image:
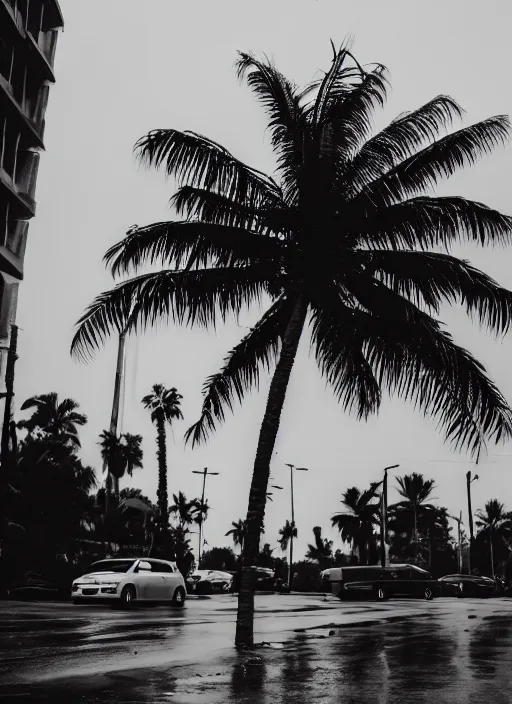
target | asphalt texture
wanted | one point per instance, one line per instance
(311, 649)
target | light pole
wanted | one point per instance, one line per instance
(205, 473)
(300, 469)
(459, 538)
(384, 560)
(469, 481)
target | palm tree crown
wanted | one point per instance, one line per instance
(183, 509)
(50, 416)
(341, 238)
(494, 518)
(237, 532)
(163, 403)
(357, 524)
(121, 454)
(286, 533)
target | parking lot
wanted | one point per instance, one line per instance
(314, 650)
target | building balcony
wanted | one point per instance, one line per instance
(23, 205)
(11, 18)
(33, 132)
(42, 51)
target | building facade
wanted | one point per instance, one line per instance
(28, 37)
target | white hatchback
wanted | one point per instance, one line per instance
(129, 579)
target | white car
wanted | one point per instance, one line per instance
(129, 579)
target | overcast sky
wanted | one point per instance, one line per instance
(127, 66)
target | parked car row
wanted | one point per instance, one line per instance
(403, 580)
(125, 580)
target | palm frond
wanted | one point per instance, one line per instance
(413, 357)
(399, 140)
(423, 223)
(187, 297)
(195, 160)
(287, 121)
(422, 171)
(432, 279)
(190, 245)
(241, 369)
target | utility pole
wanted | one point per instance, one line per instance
(459, 539)
(12, 356)
(384, 554)
(205, 473)
(290, 568)
(469, 480)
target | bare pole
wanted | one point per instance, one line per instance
(384, 559)
(290, 568)
(205, 473)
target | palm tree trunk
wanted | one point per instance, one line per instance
(492, 551)
(162, 497)
(258, 493)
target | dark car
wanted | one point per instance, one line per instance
(265, 580)
(381, 583)
(462, 585)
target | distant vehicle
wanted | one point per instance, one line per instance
(462, 585)
(209, 582)
(127, 580)
(380, 583)
(265, 580)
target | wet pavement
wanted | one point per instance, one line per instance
(314, 650)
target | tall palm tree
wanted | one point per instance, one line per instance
(415, 490)
(340, 242)
(237, 532)
(321, 551)
(358, 523)
(495, 524)
(286, 533)
(121, 454)
(183, 509)
(164, 405)
(54, 418)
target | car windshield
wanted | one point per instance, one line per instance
(110, 566)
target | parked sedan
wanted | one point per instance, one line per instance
(209, 582)
(462, 585)
(125, 580)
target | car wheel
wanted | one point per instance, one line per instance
(127, 596)
(428, 594)
(380, 594)
(178, 598)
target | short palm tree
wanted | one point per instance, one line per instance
(164, 405)
(237, 532)
(345, 241)
(321, 551)
(358, 523)
(201, 509)
(121, 455)
(183, 509)
(495, 524)
(286, 535)
(54, 418)
(415, 490)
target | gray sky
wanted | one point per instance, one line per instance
(126, 66)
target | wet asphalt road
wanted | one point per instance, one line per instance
(446, 651)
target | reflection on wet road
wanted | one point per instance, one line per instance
(446, 651)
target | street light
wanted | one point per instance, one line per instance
(469, 481)
(384, 517)
(205, 473)
(300, 469)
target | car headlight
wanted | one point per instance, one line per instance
(110, 585)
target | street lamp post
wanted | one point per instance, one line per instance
(469, 481)
(459, 538)
(384, 517)
(205, 473)
(290, 571)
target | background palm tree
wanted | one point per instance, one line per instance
(321, 551)
(183, 509)
(357, 524)
(121, 454)
(237, 532)
(415, 489)
(164, 405)
(495, 524)
(339, 239)
(59, 419)
(201, 509)
(286, 533)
